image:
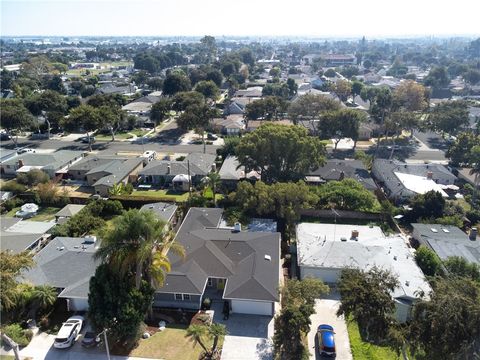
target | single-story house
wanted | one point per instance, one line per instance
(222, 264)
(142, 105)
(162, 172)
(401, 181)
(447, 240)
(67, 264)
(19, 235)
(164, 211)
(336, 169)
(232, 172)
(102, 172)
(54, 164)
(237, 105)
(324, 250)
(110, 88)
(67, 212)
(231, 125)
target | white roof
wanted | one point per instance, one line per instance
(320, 245)
(419, 184)
(31, 227)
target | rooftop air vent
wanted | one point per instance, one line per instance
(268, 257)
(434, 230)
(446, 230)
(343, 238)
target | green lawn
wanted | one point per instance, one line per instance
(162, 194)
(43, 214)
(362, 350)
(170, 344)
(121, 135)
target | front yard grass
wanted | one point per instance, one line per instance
(170, 344)
(122, 135)
(162, 194)
(362, 350)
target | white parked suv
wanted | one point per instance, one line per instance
(68, 332)
(150, 155)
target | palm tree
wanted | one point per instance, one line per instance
(216, 331)
(212, 180)
(44, 296)
(11, 268)
(195, 333)
(139, 242)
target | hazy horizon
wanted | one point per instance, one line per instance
(269, 18)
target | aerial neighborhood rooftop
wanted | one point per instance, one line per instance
(192, 198)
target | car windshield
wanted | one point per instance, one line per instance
(61, 340)
(328, 349)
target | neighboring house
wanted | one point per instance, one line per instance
(222, 264)
(254, 91)
(401, 181)
(447, 240)
(110, 88)
(253, 125)
(474, 117)
(237, 105)
(339, 59)
(19, 235)
(67, 212)
(103, 172)
(162, 172)
(164, 211)
(232, 172)
(143, 105)
(67, 264)
(335, 169)
(54, 164)
(231, 125)
(103, 178)
(324, 250)
(464, 174)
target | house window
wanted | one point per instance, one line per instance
(186, 296)
(178, 296)
(209, 282)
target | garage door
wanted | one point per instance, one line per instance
(252, 307)
(75, 304)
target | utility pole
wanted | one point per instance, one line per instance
(189, 183)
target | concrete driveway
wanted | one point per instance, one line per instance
(326, 314)
(249, 336)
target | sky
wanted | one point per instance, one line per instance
(316, 18)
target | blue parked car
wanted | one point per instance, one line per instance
(326, 340)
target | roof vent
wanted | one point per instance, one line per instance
(446, 230)
(395, 257)
(237, 227)
(61, 248)
(268, 257)
(434, 230)
(407, 283)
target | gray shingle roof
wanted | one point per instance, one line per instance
(70, 210)
(164, 211)
(452, 242)
(231, 169)
(200, 164)
(237, 256)
(118, 171)
(384, 170)
(354, 169)
(92, 161)
(65, 263)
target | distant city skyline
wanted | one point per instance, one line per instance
(308, 18)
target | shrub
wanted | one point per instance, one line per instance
(14, 187)
(12, 203)
(33, 177)
(428, 261)
(21, 336)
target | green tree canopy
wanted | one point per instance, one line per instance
(428, 261)
(449, 117)
(280, 153)
(176, 82)
(208, 88)
(310, 107)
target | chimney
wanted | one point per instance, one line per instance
(214, 167)
(429, 175)
(354, 234)
(169, 169)
(342, 176)
(20, 163)
(473, 234)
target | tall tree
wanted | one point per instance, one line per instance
(310, 107)
(196, 117)
(160, 111)
(15, 117)
(366, 298)
(84, 117)
(437, 77)
(343, 89)
(139, 242)
(344, 123)
(208, 88)
(11, 268)
(449, 117)
(176, 82)
(357, 88)
(280, 152)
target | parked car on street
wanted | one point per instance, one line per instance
(25, 151)
(211, 136)
(68, 332)
(84, 139)
(326, 341)
(4, 136)
(90, 339)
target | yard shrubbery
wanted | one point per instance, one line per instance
(15, 332)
